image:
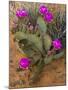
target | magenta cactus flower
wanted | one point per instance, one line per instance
(48, 17)
(57, 44)
(43, 9)
(24, 63)
(21, 13)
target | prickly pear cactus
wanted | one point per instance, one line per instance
(38, 35)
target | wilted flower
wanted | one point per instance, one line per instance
(57, 44)
(48, 17)
(24, 63)
(43, 9)
(21, 13)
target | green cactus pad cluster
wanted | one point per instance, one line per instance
(36, 43)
